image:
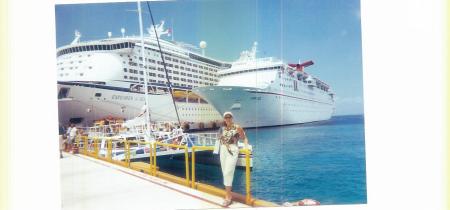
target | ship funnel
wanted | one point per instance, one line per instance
(300, 66)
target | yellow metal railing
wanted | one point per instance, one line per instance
(247, 176)
(193, 160)
(152, 155)
(91, 147)
(186, 156)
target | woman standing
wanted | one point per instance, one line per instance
(229, 134)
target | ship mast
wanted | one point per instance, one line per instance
(164, 64)
(141, 31)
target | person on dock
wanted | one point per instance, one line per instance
(229, 135)
(177, 130)
(62, 139)
(186, 127)
(69, 127)
(72, 134)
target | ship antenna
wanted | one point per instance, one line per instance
(164, 64)
(254, 50)
(171, 32)
(122, 30)
(147, 111)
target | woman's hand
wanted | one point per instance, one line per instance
(245, 143)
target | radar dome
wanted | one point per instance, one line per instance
(203, 44)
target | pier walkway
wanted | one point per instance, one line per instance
(88, 183)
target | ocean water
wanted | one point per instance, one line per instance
(324, 161)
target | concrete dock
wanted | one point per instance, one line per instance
(88, 183)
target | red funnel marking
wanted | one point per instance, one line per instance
(300, 66)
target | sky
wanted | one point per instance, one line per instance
(325, 31)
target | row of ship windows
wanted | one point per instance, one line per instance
(71, 62)
(187, 63)
(174, 84)
(207, 61)
(73, 67)
(170, 77)
(302, 78)
(155, 45)
(95, 48)
(199, 115)
(162, 82)
(170, 70)
(152, 80)
(286, 86)
(67, 74)
(134, 71)
(70, 57)
(175, 78)
(159, 75)
(196, 109)
(176, 60)
(131, 63)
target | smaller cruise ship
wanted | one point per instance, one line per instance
(267, 92)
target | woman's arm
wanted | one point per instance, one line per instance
(243, 136)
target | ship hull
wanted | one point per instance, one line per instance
(254, 107)
(84, 103)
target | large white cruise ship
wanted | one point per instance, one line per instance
(105, 78)
(267, 92)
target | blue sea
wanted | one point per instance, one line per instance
(324, 161)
